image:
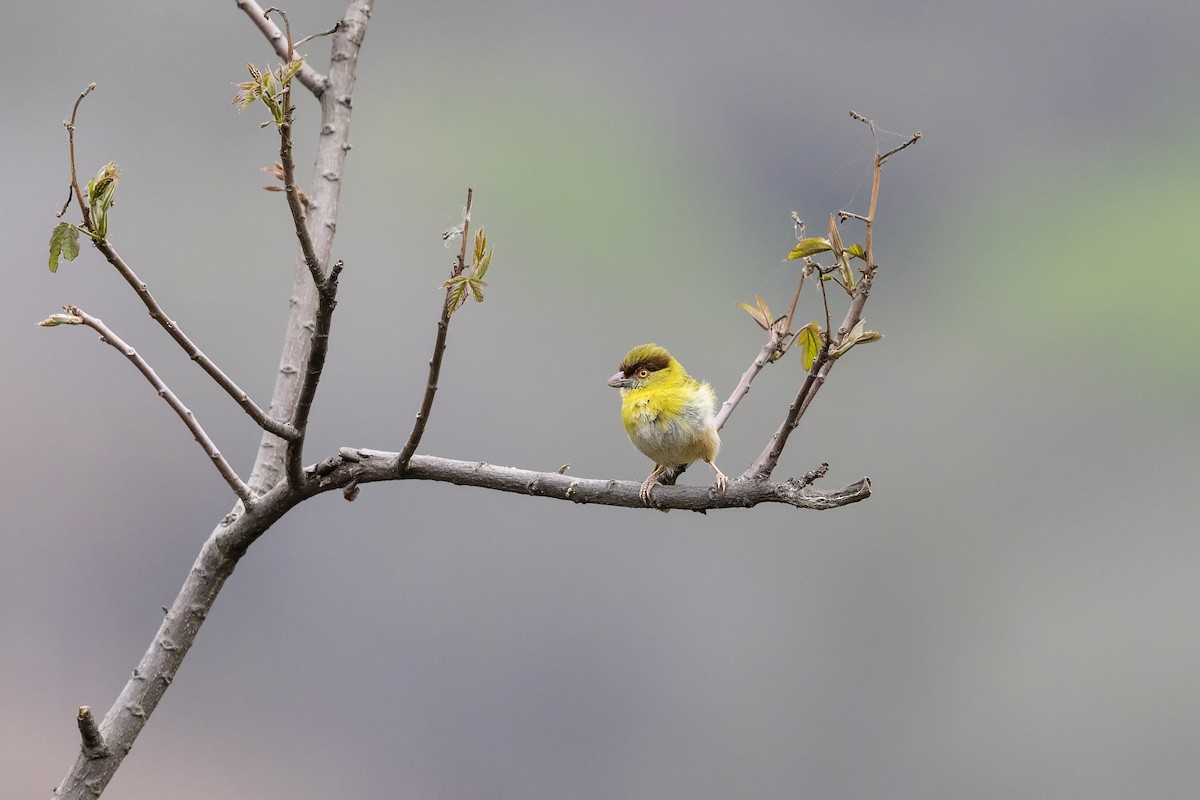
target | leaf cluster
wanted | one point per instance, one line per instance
(812, 338)
(461, 286)
(807, 248)
(270, 86)
(100, 190)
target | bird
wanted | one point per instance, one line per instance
(669, 415)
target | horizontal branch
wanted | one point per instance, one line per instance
(358, 466)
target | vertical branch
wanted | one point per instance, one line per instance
(439, 350)
(70, 125)
(326, 287)
(126, 718)
(321, 223)
(765, 464)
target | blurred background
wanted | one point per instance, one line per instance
(1013, 613)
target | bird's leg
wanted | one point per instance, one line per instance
(722, 481)
(651, 482)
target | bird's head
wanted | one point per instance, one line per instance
(646, 365)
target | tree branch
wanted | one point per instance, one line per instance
(764, 357)
(326, 294)
(164, 391)
(307, 251)
(312, 376)
(321, 221)
(765, 464)
(156, 311)
(280, 429)
(376, 466)
(439, 349)
(93, 741)
(350, 468)
(70, 126)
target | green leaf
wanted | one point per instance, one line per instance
(857, 335)
(856, 251)
(480, 245)
(810, 344)
(286, 73)
(100, 191)
(64, 243)
(809, 247)
(482, 267)
(457, 294)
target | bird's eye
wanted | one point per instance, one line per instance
(643, 373)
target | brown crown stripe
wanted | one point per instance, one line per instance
(653, 363)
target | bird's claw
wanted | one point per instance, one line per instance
(647, 486)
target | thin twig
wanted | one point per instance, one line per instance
(312, 376)
(326, 293)
(164, 391)
(769, 350)
(321, 215)
(439, 350)
(767, 460)
(312, 80)
(70, 125)
(911, 141)
(287, 29)
(293, 195)
(156, 311)
(280, 429)
(336, 27)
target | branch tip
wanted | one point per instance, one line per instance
(93, 741)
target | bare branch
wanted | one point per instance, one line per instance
(740, 494)
(321, 220)
(164, 391)
(769, 351)
(336, 27)
(314, 81)
(70, 126)
(293, 194)
(312, 376)
(326, 288)
(765, 464)
(439, 349)
(156, 311)
(280, 429)
(911, 141)
(346, 472)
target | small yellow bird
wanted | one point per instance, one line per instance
(668, 414)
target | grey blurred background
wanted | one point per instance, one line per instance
(1012, 614)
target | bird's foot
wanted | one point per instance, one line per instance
(647, 486)
(722, 482)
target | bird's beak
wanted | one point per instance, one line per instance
(619, 381)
